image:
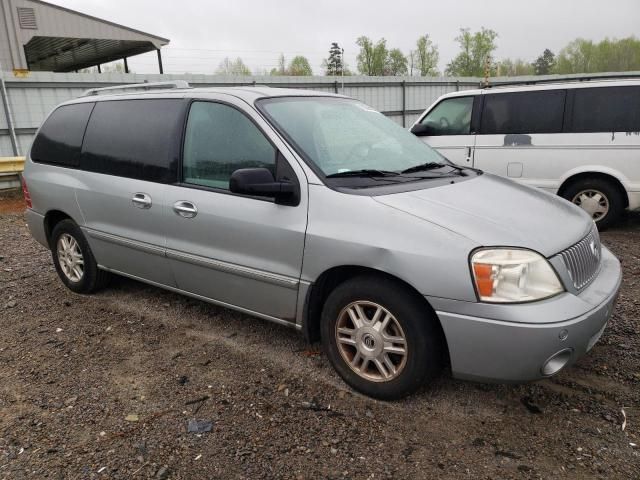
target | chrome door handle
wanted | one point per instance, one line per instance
(185, 209)
(141, 200)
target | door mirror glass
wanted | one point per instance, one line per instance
(260, 182)
(423, 130)
(451, 116)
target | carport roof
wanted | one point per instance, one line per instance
(59, 39)
(60, 54)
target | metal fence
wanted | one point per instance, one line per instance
(26, 101)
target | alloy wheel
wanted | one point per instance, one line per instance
(70, 257)
(371, 341)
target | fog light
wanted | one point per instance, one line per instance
(556, 362)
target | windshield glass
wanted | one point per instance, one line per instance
(343, 135)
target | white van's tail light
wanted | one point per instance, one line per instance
(27, 195)
(505, 275)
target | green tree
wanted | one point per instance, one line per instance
(577, 57)
(396, 63)
(426, 56)
(413, 62)
(334, 64)
(475, 48)
(544, 63)
(299, 66)
(233, 67)
(281, 69)
(512, 68)
(372, 58)
(609, 55)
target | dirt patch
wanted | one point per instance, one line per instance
(77, 371)
(12, 201)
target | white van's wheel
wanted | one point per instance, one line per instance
(592, 201)
(599, 198)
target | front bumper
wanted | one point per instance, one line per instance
(512, 343)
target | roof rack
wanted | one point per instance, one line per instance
(139, 86)
(571, 79)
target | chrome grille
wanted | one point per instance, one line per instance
(583, 259)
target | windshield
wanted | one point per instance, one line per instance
(343, 135)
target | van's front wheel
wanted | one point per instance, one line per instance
(380, 338)
(599, 198)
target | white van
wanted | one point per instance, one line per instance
(579, 140)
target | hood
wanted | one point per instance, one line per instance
(495, 211)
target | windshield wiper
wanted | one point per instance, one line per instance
(432, 166)
(423, 166)
(365, 172)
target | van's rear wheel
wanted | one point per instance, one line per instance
(600, 198)
(380, 337)
(73, 259)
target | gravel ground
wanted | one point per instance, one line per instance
(104, 386)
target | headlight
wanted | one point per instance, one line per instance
(506, 275)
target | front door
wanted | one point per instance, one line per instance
(450, 124)
(240, 251)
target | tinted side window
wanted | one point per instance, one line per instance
(523, 112)
(134, 138)
(451, 117)
(220, 140)
(60, 138)
(606, 109)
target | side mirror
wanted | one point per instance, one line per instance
(423, 129)
(260, 182)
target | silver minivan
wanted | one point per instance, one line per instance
(316, 212)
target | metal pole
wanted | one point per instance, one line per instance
(404, 103)
(342, 69)
(159, 61)
(7, 115)
(99, 69)
(335, 87)
(126, 65)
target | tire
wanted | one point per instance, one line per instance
(68, 245)
(409, 318)
(587, 189)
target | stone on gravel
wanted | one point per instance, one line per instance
(11, 304)
(199, 426)
(531, 405)
(162, 473)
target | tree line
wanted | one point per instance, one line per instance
(475, 58)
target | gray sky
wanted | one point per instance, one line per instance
(203, 32)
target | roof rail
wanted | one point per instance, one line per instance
(559, 79)
(138, 86)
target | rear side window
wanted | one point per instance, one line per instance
(523, 112)
(60, 138)
(134, 138)
(606, 109)
(450, 117)
(220, 140)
